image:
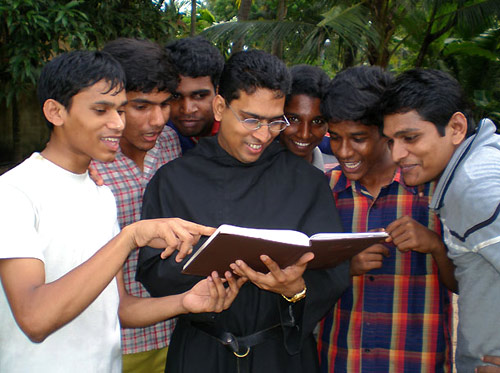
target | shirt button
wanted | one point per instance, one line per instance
(367, 350)
(371, 278)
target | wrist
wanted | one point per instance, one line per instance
(128, 235)
(296, 297)
(295, 288)
(440, 251)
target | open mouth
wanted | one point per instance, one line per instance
(350, 166)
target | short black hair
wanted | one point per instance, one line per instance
(354, 94)
(147, 66)
(195, 57)
(308, 80)
(69, 73)
(249, 70)
(433, 94)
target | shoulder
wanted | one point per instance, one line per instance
(169, 139)
(27, 176)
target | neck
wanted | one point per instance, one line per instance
(131, 152)
(380, 175)
(65, 158)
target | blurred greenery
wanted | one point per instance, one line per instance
(459, 36)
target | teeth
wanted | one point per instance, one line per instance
(255, 146)
(351, 165)
(302, 144)
(112, 139)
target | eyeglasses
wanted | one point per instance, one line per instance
(254, 124)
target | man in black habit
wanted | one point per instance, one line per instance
(242, 177)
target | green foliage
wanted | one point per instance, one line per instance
(476, 63)
(33, 31)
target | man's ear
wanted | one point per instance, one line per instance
(218, 106)
(54, 111)
(458, 127)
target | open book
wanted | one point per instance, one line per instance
(285, 247)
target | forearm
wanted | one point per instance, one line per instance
(137, 312)
(41, 308)
(446, 268)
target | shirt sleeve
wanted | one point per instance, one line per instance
(18, 225)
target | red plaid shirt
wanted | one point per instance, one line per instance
(396, 318)
(128, 183)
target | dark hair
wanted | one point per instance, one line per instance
(195, 57)
(147, 66)
(249, 70)
(308, 80)
(354, 94)
(69, 73)
(434, 94)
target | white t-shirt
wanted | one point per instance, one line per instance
(62, 219)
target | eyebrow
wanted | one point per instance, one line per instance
(109, 103)
(146, 101)
(406, 131)
(362, 133)
(197, 92)
(256, 116)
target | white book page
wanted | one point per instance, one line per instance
(277, 235)
(339, 236)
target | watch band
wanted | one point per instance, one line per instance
(300, 295)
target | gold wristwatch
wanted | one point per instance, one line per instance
(296, 297)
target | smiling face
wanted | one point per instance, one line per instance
(243, 144)
(90, 129)
(418, 148)
(191, 106)
(307, 125)
(146, 115)
(359, 148)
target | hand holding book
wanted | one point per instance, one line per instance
(229, 244)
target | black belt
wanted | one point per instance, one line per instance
(240, 346)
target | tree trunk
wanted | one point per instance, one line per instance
(243, 15)
(193, 18)
(277, 48)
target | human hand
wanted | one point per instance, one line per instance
(96, 178)
(368, 259)
(408, 234)
(495, 368)
(169, 234)
(287, 281)
(210, 294)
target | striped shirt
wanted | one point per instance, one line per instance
(396, 318)
(128, 183)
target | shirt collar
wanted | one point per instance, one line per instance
(339, 182)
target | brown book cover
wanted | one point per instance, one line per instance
(285, 247)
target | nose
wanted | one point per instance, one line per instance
(398, 151)
(159, 115)
(188, 106)
(263, 134)
(342, 149)
(116, 121)
(304, 130)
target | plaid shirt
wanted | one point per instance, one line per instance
(128, 183)
(396, 318)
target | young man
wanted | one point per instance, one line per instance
(395, 315)
(243, 177)
(59, 304)
(302, 108)
(145, 146)
(200, 65)
(431, 135)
